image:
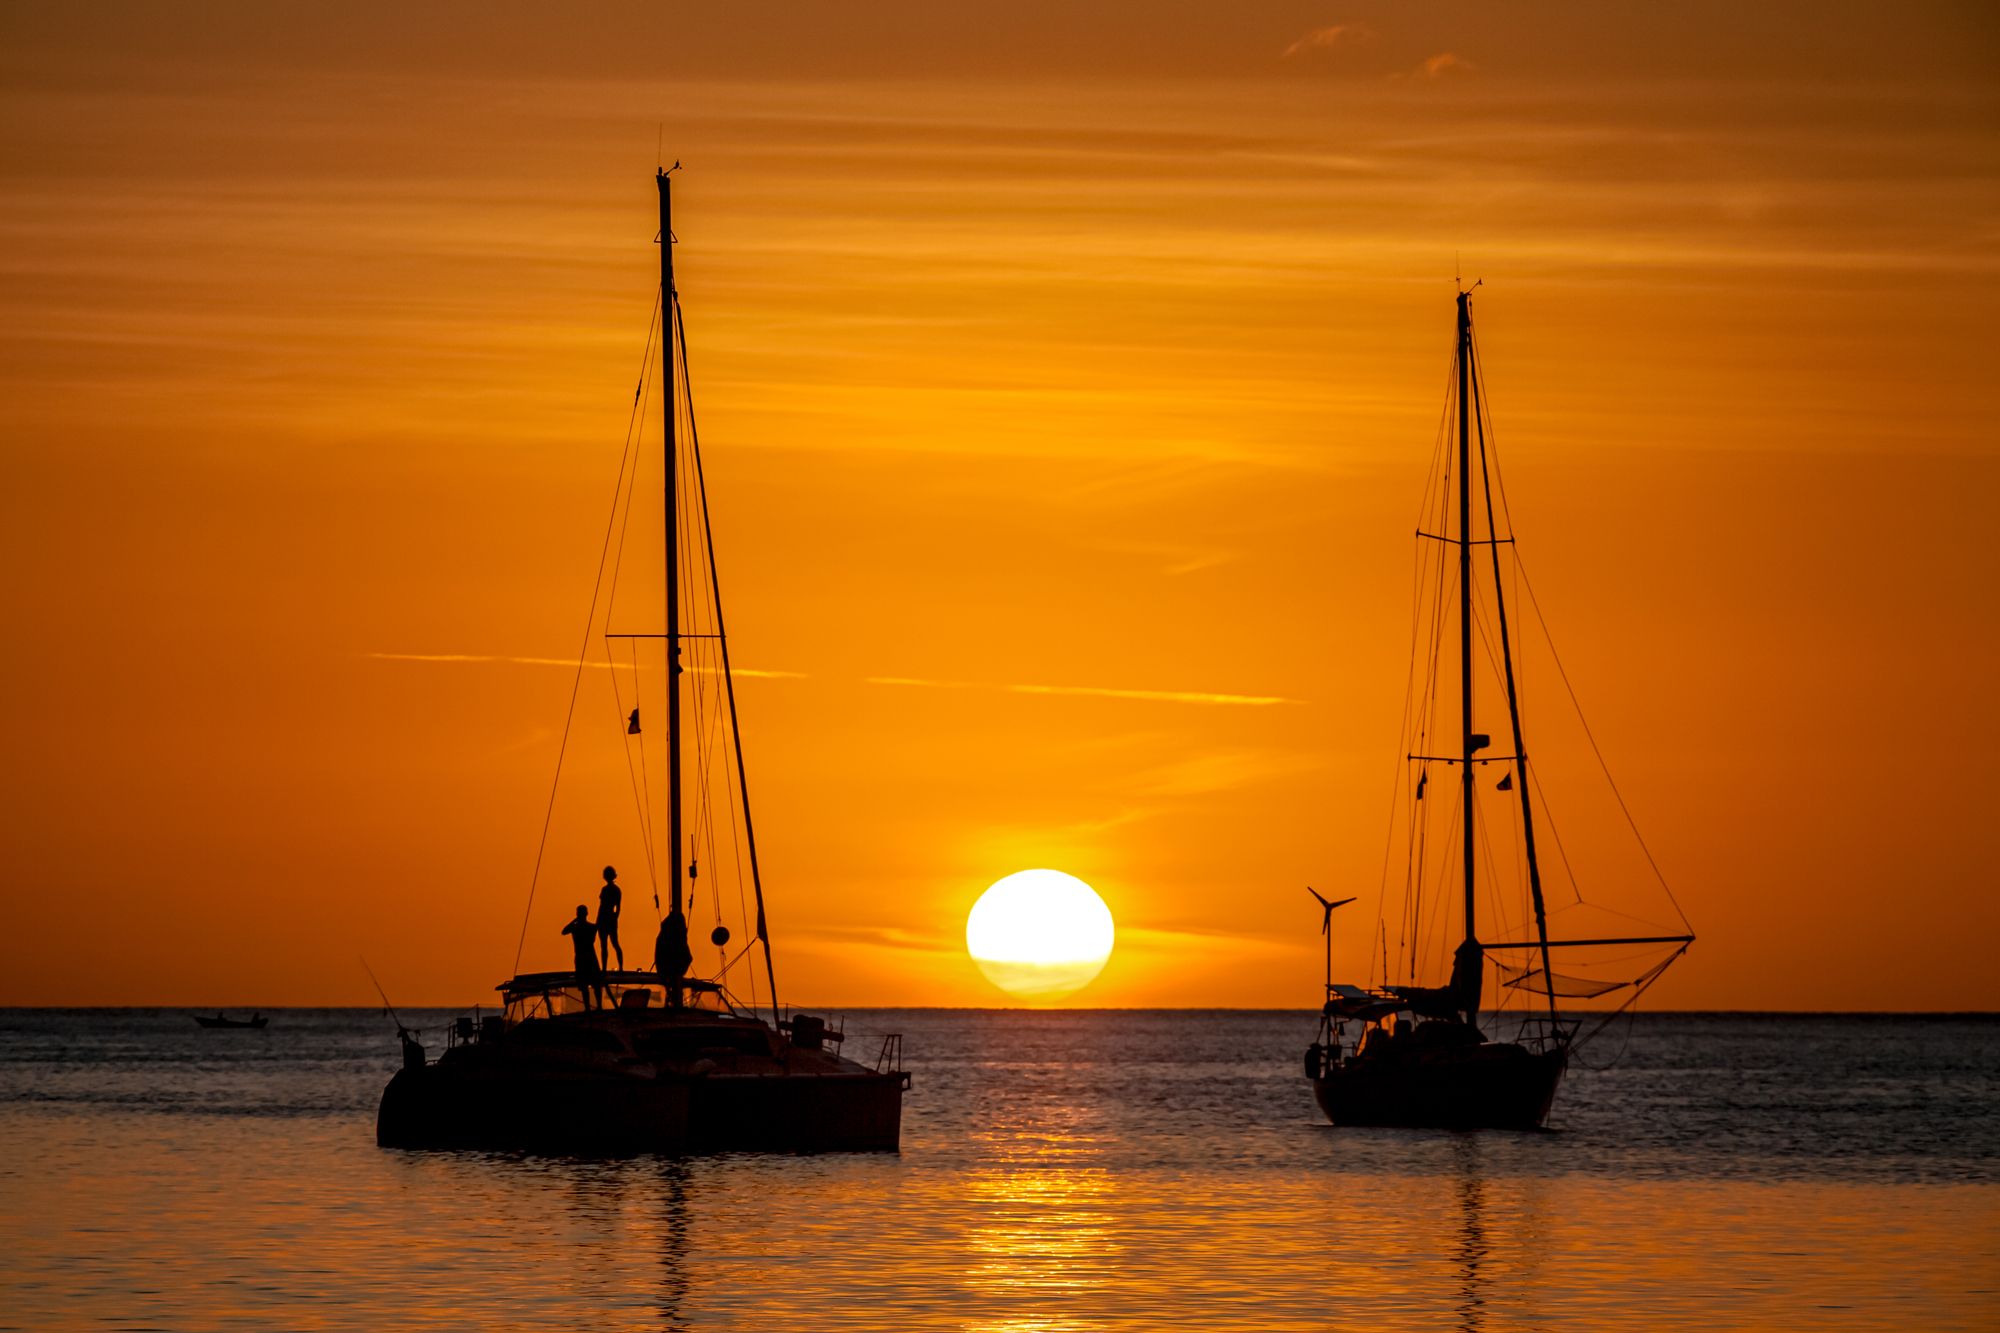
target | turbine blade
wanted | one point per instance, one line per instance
(1326, 908)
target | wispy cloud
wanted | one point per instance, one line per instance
(1162, 696)
(1223, 771)
(1183, 943)
(751, 672)
(479, 657)
(1336, 34)
(1180, 558)
(888, 937)
(1094, 692)
(1438, 66)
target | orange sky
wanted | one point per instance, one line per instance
(1094, 346)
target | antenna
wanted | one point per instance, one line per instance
(389, 1008)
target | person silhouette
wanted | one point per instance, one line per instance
(589, 977)
(610, 906)
(671, 955)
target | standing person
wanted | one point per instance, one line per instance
(589, 976)
(610, 906)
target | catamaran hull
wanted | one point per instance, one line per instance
(436, 1107)
(1485, 1087)
(797, 1113)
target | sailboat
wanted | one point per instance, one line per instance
(597, 1059)
(1400, 1053)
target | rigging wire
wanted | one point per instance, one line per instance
(743, 841)
(649, 834)
(693, 651)
(1575, 703)
(1521, 573)
(1404, 724)
(1433, 930)
(1485, 403)
(641, 781)
(1447, 585)
(1494, 902)
(1637, 992)
(736, 782)
(640, 804)
(1555, 834)
(695, 659)
(583, 653)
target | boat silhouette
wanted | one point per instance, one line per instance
(1421, 1055)
(621, 1059)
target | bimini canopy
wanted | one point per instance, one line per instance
(534, 982)
(1344, 1001)
(547, 994)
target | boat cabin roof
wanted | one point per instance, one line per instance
(530, 983)
(548, 994)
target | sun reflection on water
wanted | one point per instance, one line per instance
(1048, 1229)
(1043, 1203)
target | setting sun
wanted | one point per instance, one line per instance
(1040, 934)
(1473, 523)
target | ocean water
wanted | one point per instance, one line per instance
(1060, 1171)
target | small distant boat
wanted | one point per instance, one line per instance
(222, 1021)
(1421, 1056)
(632, 1060)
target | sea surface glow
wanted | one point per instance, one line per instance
(1061, 1170)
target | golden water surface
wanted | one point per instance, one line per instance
(1059, 1172)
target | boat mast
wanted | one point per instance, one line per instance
(668, 319)
(729, 686)
(1514, 711)
(1465, 604)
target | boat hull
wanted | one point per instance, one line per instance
(1491, 1086)
(859, 1112)
(437, 1106)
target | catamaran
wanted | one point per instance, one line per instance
(1396, 1052)
(662, 1060)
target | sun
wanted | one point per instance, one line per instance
(1040, 934)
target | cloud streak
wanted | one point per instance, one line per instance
(1083, 691)
(1335, 34)
(1222, 771)
(1095, 692)
(750, 672)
